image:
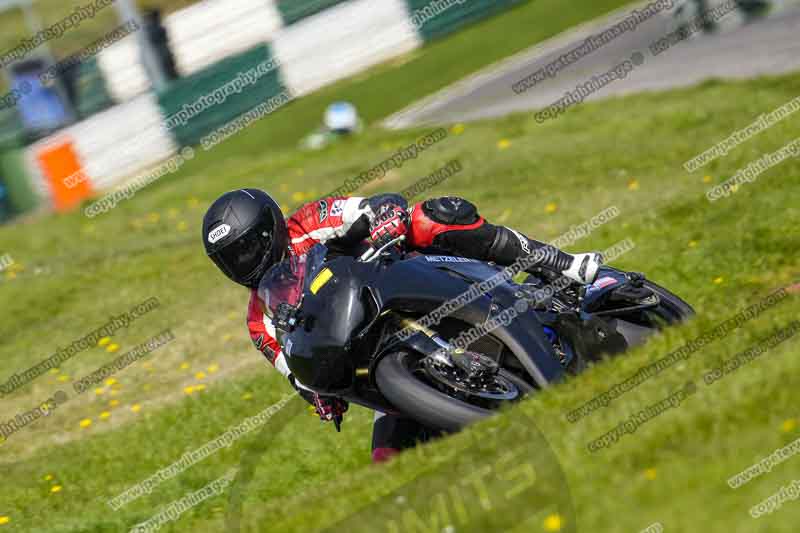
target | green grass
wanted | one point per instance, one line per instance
(72, 273)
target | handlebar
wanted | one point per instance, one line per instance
(372, 253)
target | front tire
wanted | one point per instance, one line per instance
(424, 403)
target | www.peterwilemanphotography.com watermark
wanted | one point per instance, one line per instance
(682, 354)
(532, 258)
(590, 87)
(116, 323)
(13, 425)
(175, 509)
(592, 43)
(189, 459)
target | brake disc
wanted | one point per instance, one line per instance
(473, 374)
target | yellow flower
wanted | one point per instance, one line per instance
(692, 244)
(650, 473)
(86, 422)
(184, 366)
(55, 488)
(54, 370)
(504, 215)
(633, 185)
(112, 348)
(110, 381)
(502, 144)
(213, 368)
(706, 179)
(48, 477)
(136, 408)
(5, 519)
(788, 425)
(553, 522)
(200, 375)
(457, 129)
(189, 389)
(104, 341)
(99, 391)
(113, 403)
(63, 378)
(719, 280)
(552, 207)
(104, 415)
(298, 196)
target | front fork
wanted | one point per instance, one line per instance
(442, 352)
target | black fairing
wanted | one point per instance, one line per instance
(320, 347)
(608, 280)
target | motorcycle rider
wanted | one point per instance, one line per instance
(245, 233)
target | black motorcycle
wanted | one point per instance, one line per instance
(362, 329)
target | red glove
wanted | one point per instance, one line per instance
(390, 222)
(329, 407)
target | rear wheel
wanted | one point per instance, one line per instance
(637, 326)
(403, 380)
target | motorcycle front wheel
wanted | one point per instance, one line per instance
(410, 390)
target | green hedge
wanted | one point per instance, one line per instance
(91, 91)
(14, 173)
(294, 10)
(11, 132)
(453, 16)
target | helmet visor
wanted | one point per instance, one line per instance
(243, 256)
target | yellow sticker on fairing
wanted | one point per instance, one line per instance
(322, 278)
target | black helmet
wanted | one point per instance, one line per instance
(244, 234)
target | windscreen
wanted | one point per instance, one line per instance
(286, 281)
